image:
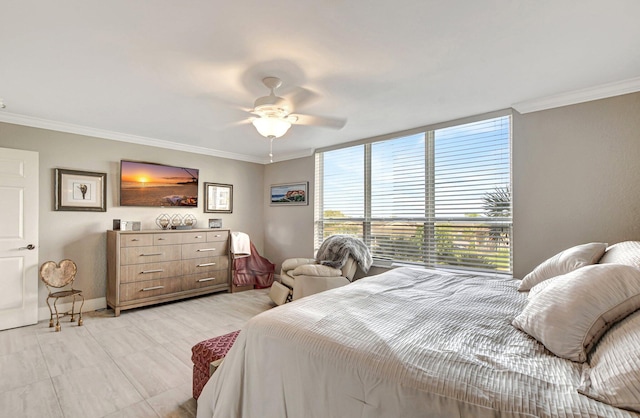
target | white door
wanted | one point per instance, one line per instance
(18, 238)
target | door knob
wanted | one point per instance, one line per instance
(28, 247)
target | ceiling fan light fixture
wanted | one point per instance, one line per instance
(271, 127)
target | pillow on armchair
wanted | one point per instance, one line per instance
(316, 270)
(292, 263)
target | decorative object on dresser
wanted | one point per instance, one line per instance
(188, 221)
(163, 221)
(289, 194)
(215, 223)
(119, 225)
(218, 198)
(176, 221)
(148, 267)
(80, 191)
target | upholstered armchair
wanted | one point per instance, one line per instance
(335, 265)
(302, 277)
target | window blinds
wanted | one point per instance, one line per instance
(436, 198)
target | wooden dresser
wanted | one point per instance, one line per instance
(148, 267)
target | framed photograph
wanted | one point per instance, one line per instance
(218, 198)
(289, 194)
(80, 191)
(159, 185)
(215, 223)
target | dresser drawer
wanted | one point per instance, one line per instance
(217, 236)
(167, 239)
(148, 288)
(149, 271)
(194, 237)
(204, 249)
(136, 240)
(200, 280)
(205, 264)
(140, 255)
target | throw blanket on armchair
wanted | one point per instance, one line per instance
(335, 251)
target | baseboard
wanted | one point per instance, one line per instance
(89, 305)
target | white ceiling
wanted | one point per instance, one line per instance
(178, 74)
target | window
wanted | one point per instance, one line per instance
(438, 198)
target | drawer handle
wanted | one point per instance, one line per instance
(202, 250)
(207, 279)
(160, 239)
(151, 271)
(198, 236)
(146, 289)
(206, 264)
(135, 239)
(150, 254)
(217, 236)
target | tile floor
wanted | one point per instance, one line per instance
(137, 365)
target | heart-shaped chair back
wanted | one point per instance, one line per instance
(58, 275)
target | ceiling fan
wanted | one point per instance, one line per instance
(273, 115)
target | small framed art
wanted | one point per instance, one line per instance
(215, 223)
(80, 191)
(289, 194)
(218, 198)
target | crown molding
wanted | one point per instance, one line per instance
(33, 122)
(602, 91)
(291, 156)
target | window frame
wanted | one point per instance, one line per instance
(429, 220)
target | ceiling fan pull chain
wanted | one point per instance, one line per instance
(271, 149)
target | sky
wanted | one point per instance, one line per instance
(470, 160)
(155, 173)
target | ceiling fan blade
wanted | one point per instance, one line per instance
(300, 97)
(221, 105)
(235, 124)
(321, 121)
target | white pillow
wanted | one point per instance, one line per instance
(570, 314)
(614, 370)
(316, 270)
(564, 262)
(541, 286)
(627, 252)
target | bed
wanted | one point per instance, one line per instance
(406, 343)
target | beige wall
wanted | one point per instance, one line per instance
(288, 230)
(576, 178)
(81, 236)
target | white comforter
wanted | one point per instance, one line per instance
(407, 343)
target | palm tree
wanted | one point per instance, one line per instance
(497, 204)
